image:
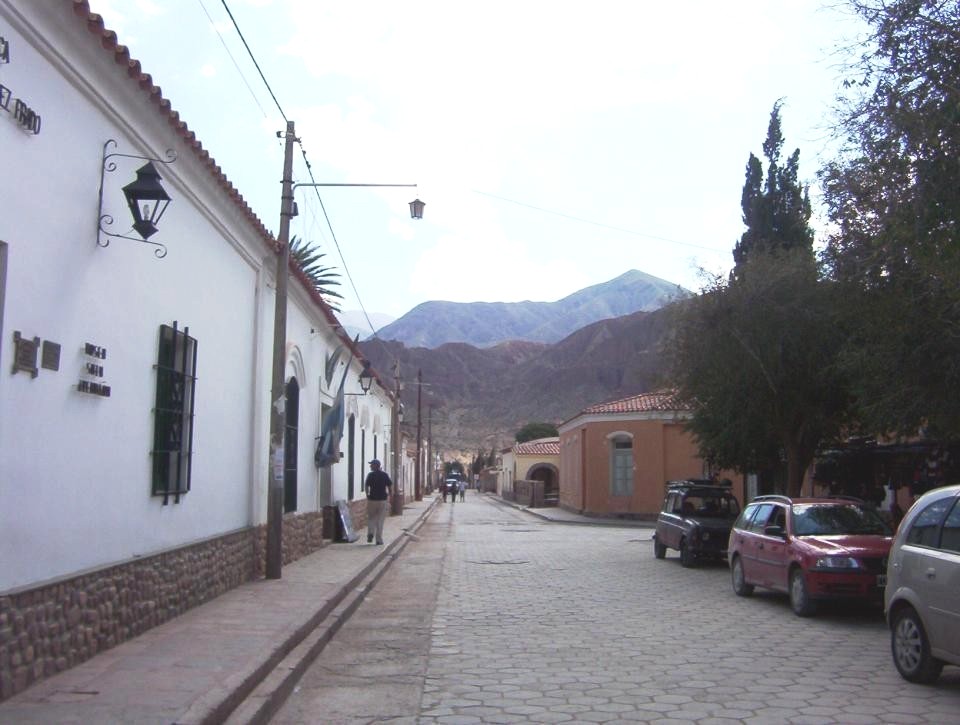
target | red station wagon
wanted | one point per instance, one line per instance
(811, 548)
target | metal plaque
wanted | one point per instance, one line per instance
(25, 354)
(50, 355)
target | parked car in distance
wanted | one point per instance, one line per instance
(811, 548)
(922, 600)
(452, 485)
(695, 520)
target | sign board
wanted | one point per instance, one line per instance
(346, 533)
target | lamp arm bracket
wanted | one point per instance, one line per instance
(170, 155)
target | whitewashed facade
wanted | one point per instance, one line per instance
(77, 468)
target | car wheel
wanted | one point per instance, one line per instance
(659, 550)
(687, 558)
(800, 600)
(911, 650)
(740, 586)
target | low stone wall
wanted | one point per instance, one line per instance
(529, 493)
(52, 627)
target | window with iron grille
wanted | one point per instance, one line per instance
(173, 414)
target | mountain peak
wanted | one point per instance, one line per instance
(483, 324)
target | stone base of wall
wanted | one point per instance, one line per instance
(52, 627)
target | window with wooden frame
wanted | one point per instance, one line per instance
(173, 415)
(621, 466)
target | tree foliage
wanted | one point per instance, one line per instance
(453, 469)
(755, 354)
(776, 208)
(533, 431)
(483, 460)
(755, 358)
(322, 278)
(893, 196)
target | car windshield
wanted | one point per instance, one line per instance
(835, 519)
(709, 504)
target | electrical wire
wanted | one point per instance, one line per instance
(223, 42)
(596, 224)
(257, 65)
(336, 243)
(305, 160)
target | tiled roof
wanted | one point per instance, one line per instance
(121, 55)
(659, 401)
(539, 447)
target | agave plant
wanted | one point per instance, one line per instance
(323, 278)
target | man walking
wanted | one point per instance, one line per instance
(377, 486)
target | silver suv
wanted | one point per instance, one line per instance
(922, 598)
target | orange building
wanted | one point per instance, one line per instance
(616, 457)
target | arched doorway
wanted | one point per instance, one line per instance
(290, 432)
(351, 455)
(550, 476)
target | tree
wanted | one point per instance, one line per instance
(776, 210)
(754, 356)
(893, 196)
(453, 469)
(479, 462)
(322, 278)
(533, 431)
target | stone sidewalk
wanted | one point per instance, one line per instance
(233, 654)
(232, 658)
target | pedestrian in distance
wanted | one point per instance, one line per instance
(463, 489)
(377, 486)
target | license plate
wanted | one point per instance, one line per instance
(881, 580)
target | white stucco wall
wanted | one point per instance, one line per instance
(75, 469)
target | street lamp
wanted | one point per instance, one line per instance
(147, 190)
(288, 210)
(366, 377)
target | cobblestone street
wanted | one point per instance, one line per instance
(546, 622)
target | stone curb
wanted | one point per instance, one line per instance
(586, 520)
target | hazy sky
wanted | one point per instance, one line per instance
(556, 144)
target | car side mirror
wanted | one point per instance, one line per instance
(775, 531)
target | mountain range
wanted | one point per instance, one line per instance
(477, 398)
(485, 324)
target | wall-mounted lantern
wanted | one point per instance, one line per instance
(366, 377)
(145, 195)
(147, 191)
(416, 209)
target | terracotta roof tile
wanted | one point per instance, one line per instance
(539, 447)
(121, 55)
(663, 400)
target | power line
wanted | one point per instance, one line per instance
(306, 161)
(336, 243)
(250, 53)
(223, 42)
(596, 224)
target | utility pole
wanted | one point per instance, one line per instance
(418, 492)
(432, 463)
(278, 420)
(396, 505)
